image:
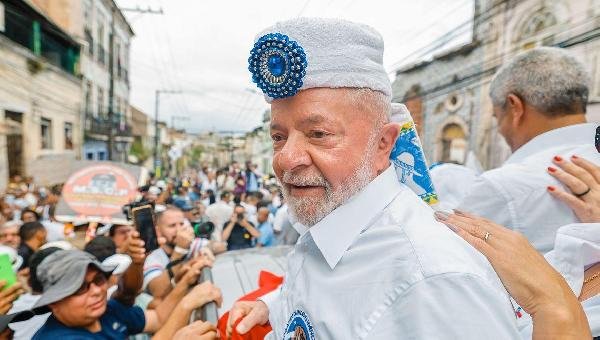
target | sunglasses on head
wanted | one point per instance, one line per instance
(99, 279)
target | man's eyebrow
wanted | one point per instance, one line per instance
(310, 120)
(313, 119)
(275, 126)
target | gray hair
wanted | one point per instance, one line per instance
(372, 101)
(547, 78)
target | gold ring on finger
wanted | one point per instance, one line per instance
(487, 236)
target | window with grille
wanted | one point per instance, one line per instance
(68, 136)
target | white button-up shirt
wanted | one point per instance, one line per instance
(515, 195)
(577, 247)
(380, 267)
(219, 213)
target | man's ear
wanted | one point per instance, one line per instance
(385, 144)
(39, 235)
(516, 108)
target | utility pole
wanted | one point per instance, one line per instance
(157, 164)
(111, 72)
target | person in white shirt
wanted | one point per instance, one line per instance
(539, 101)
(371, 262)
(552, 305)
(284, 231)
(219, 213)
(170, 225)
(452, 183)
(210, 182)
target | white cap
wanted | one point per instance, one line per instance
(161, 184)
(64, 245)
(120, 261)
(304, 53)
(154, 190)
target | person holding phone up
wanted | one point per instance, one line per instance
(162, 266)
(238, 232)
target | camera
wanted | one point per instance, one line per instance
(128, 207)
(203, 229)
(240, 216)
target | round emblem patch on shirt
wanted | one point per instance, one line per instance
(299, 327)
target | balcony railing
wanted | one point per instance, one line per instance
(102, 126)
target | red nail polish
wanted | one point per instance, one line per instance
(574, 157)
(551, 188)
(551, 169)
(558, 158)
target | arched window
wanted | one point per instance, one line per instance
(454, 144)
(537, 22)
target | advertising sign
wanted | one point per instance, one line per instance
(97, 192)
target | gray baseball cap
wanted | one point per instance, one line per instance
(63, 272)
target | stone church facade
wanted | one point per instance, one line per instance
(448, 94)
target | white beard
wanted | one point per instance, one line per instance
(310, 210)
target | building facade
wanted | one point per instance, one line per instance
(259, 146)
(448, 93)
(142, 130)
(40, 92)
(103, 32)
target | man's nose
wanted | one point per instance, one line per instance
(294, 154)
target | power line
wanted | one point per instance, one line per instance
(196, 85)
(174, 64)
(476, 20)
(472, 78)
(499, 57)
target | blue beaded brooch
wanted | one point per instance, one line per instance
(278, 65)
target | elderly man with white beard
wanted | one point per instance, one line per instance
(371, 261)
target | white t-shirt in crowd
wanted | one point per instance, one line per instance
(219, 213)
(56, 231)
(154, 265)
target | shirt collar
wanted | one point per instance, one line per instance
(576, 247)
(334, 234)
(569, 135)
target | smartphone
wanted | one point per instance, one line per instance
(6, 271)
(143, 218)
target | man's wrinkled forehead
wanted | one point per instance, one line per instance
(313, 107)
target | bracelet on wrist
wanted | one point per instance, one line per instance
(181, 250)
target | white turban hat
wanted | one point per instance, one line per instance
(304, 53)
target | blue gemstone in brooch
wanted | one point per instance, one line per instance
(278, 65)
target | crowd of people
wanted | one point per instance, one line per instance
(147, 292)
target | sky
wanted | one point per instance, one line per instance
(199, 48)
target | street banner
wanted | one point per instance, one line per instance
(409, 159)
(97, 192)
